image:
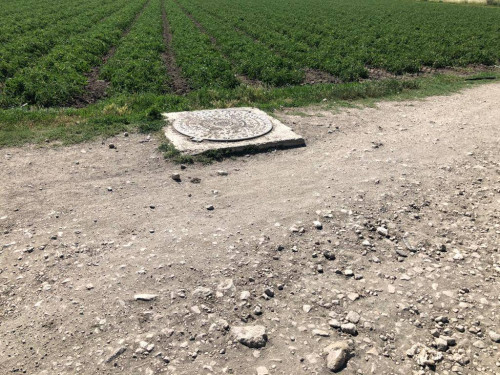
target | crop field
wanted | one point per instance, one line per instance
(75, 53)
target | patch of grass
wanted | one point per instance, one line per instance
(142, 112)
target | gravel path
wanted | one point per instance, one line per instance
(108, 266)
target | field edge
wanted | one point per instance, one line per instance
(141, 113)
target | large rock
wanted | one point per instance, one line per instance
(337, 355)
(251, 336)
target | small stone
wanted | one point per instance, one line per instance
(245, 295)
(382, 231)
(334, 323)
(176, 177)
(320, 332)
(337, 355)
(329, 255)
(261, 370)
(209, 207)
(479, 344)
(353, 296)
(495, 337)
(222, 173)
(441, 344)
(112, 145)
(202, 292)
(353, 317)
(349, 328)
(306, 308)
(250, 336)
(269, 292)
(348, 273)
(145, 297)
(118, 352)
(317, 225)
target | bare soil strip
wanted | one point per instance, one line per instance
(178, 83)
(96, 88)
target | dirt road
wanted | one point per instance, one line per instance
(408, 197)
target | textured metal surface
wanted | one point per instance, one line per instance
(223, 125)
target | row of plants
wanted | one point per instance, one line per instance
(201, 63)
(136, 65)
(60, 76)
(344, 37)
(251, 59)
(25, 48)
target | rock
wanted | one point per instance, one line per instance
(349, 328)
(176, 177)
(261, 370)
(209, 207)
(329, 255)
(424, 356)
(334, 323)
(306, 308)
(222, 173)
(317, 224)
(145, 297)
(245, 295)
(495, 337)
(479, 344)
(320, 332)
(353, 317)
(441, 344)
(269, 292)
(118, 352)
(349, 273)
(353, 296)
(337, 355)
(112, 145)
(250, 336)
(382, 231)
(202, 292)
(391, 289)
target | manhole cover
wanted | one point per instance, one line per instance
(223, 125)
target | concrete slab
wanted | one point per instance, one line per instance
(230, 129)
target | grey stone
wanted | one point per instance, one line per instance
(349, 328)
(337, 355)
(250, 336)
(118, 352)
(145, 297)
(495, 337)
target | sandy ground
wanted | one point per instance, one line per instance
(408, 196)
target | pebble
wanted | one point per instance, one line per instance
(495, 337)
(337, 355)
(176, 177)
(250, 336)
(317, 224)
(145, 297)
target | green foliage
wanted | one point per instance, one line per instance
(48, 49)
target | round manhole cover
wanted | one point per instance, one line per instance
(223, 125)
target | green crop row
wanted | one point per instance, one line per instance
(200, 62)
(344, 37)
(31, 45)
(137, 65)
(251, 59)
(60, 76)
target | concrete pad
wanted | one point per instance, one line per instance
(230, 129)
